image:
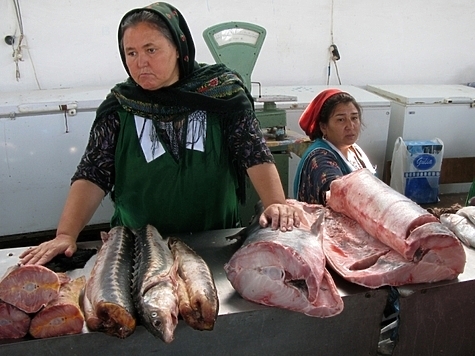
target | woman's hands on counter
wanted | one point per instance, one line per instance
(281, 216)
(45, 252)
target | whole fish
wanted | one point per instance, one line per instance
(108, 302)
(198, 297)
(154, 284)
(461, 225)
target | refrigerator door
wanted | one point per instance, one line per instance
(425, 94)
(425, 112)
(41, 145)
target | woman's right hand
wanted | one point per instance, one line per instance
(45, 252)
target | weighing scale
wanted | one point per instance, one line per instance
(237, 45)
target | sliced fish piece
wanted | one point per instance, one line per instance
(62, 316)
(286, 269)
(29, 287)
(108, 289)
(198, 297)
(14, 323)
(155, 284)
(382, 212)
(360, 258)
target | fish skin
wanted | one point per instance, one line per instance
(198, 296)
(154, 285)
(108, 289)
(461, 226)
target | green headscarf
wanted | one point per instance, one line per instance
(213, 88)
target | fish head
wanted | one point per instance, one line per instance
(160, 314)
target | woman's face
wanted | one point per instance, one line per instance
(151, 58)
(343, 127)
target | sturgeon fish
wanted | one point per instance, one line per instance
(286, 269)
(198, 297)
(462, 224)
(108, 303)
(154, 284)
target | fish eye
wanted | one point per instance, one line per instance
(154, 314)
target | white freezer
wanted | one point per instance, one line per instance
(40, 148)
(423, 112)
(376, 113)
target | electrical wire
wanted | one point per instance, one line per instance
(332, 58)
(17, 52)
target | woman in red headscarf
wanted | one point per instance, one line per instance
(333, 122)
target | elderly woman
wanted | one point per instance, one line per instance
(333, 122)
(173, 143)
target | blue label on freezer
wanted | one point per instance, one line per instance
(424, 162)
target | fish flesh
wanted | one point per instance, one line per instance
(197, 293)
(361, 259)
(108, 288)
(461, 226)
(14, 323)
(286, 269)
(62, 316)
(383, 212)
(154, 284)
(29, 287)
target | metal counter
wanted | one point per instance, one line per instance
(242, 327)
(438, 318)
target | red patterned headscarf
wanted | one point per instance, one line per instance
(310, 118)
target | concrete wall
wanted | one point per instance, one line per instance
(72, 43)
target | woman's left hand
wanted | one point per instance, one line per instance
(281, 216)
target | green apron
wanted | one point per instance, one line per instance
(197, 193)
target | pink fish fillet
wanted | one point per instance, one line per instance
(382, 212)
(364, 260)
(286, 270)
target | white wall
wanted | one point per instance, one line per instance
(72, 43)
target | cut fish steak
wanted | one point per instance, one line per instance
(14, 323)
(62, 316)
(286, 269)
(29, 287)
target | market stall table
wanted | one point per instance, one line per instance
(242, 327)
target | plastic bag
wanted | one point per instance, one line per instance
(415, 169)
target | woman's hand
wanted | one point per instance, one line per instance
(281, 216)
(45, 252)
